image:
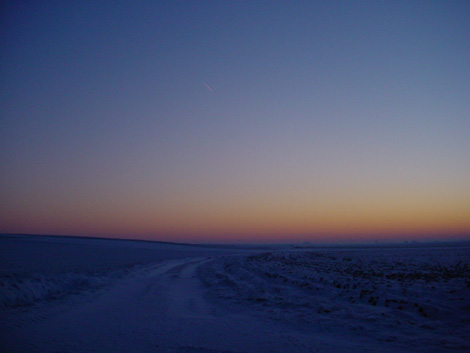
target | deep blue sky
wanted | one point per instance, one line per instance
(235, 120)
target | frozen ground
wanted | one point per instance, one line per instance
(89, 295)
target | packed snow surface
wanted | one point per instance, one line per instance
(61, 294)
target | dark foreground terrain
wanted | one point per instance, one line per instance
(92, 295)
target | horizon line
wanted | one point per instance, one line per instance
(305, 243)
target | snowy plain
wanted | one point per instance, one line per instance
(65, 294)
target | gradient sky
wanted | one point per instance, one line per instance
(236, 120)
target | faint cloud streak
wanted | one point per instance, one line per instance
(208, 87)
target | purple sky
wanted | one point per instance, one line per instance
(236, 121)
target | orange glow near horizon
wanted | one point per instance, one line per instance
(252, 219)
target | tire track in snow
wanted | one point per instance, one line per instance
(161, 308)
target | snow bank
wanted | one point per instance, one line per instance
(20, 291)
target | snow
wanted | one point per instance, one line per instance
(61, 294)
(410, 299)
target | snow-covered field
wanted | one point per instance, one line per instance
(89, 295)
(400, 299)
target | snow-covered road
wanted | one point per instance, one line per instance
(160, 308)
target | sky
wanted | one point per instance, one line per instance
(236, 121)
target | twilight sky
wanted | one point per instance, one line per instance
(236, 120)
